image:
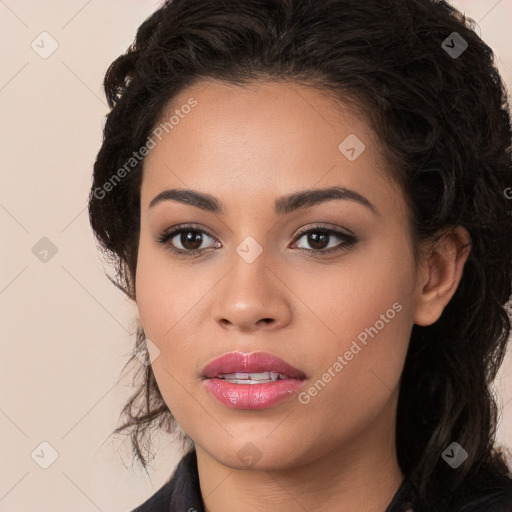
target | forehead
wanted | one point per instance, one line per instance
(261, 139)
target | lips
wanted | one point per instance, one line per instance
(254, 363)
(251, 381)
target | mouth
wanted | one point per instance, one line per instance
(253, 368)
(251, 381)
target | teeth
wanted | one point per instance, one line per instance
(251, 378)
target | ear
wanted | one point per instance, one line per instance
(440, 274)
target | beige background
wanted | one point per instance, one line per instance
(66, 331)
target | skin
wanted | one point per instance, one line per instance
(248, 146)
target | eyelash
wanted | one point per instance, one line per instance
(348, 240)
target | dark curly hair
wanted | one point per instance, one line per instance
(444, 121)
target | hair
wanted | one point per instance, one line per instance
(444, 124)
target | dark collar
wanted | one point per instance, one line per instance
(181, 493)
(187, 494)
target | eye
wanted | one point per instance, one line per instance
(322, 240)
(190, 238)
(188, 241)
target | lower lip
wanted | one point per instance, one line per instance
(252, 396)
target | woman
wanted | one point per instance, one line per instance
(307, 202)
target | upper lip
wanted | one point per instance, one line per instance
(255, 362)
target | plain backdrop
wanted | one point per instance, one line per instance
(66, 331)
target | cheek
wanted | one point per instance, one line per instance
(165, 311)
(363, 313)
(166, 295)
(151, 291)
(345, 298)
(171, 304)
(366, 321)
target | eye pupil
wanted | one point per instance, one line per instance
(193, 237)
(317, 239)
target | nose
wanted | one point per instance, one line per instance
(252, 297)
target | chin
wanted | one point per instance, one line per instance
(260, 454)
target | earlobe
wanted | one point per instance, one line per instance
(441, 274)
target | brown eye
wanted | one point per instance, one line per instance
(191, 240)
(319, 240)
(185, 240)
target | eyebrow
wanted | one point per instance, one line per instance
(283, 205)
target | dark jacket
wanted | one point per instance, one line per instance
(181, 493)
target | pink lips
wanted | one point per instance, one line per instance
(251, 396)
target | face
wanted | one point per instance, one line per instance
(326, 285)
